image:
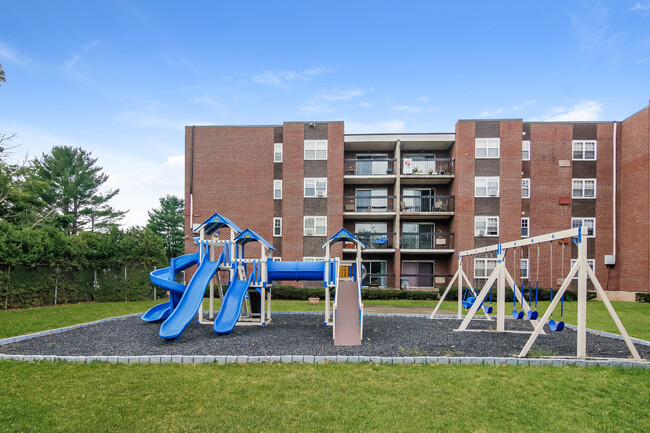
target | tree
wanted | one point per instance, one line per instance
(2, 75)
(167, 221)
(73, 189)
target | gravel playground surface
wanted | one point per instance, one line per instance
(304, 334)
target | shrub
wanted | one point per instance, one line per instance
(293, 293)
(642, 297)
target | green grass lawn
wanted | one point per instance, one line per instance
(96, 397)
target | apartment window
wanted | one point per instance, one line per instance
(315, 149)
(525, 227)
(315, 187)
(584, 188)
(523, 269)
(315, 226)
(487, 147)
(486, 187)
(277, 227)
(590, 223)
(277, 152)
(525, 188)
(590, 262)
(486, 226)
(313, 259)
(277, 259)
(584, 150)
(375, 273)
(525, 150)
(277, 189)
(484, 267)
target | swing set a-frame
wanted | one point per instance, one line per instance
(500, 276)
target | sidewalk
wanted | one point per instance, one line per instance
(399, 309)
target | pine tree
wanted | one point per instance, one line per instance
(167, 221)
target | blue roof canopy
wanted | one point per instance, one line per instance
(216, 222)
(344, 236)
(249, 235)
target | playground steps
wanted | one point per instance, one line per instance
(347, 315)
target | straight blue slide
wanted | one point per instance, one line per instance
(231, 306)
(191, 300)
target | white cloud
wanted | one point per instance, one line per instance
(641, 6)
(583, 111)
(175, 160)
(285, 78)
(375, 127)
(11, 55)
(647, 59)
(145, 119)
(366, 104)
(207, 100)
(340, 94)
(488, 113)
(424, 98)
(71, 64)
(322, 102)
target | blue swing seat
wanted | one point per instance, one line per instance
(469, 303)
(532, 315)
(488, 309)
(517, 314)
(556, 326)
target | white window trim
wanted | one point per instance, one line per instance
(274, 221)
(527, 219)
(315, 180)
(487, 179)
(277, 186)
(583, 142)
(522, 267)
(582, 224)
(524, 179)
(316, 144)
(484, 266)
(483, 142)
(277, 259)
(525, 147)
(313, 259)
(477, 218)
(583, 180)
(304, 225)
(277, 148)
(590, 262)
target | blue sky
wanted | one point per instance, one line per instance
(123, 78)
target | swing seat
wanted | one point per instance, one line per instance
(556, 326)
(469, 303)
(532, 315)
(517, 314)
(488, 309)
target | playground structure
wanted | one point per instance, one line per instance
(500, 276)
(248, 298)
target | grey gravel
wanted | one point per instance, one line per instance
(305, 335)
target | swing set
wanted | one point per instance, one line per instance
(501, 276)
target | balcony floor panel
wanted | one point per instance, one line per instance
(369, 215)
(428, 252)
(426, 215)
(379, 179)
(426, 179)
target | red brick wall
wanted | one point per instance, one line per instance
(463, 189)
(335, 147)
(292, 196)
(604, 205)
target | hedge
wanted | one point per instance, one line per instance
(293, 293)
(643, 297)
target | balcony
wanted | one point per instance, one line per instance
(427, 243)
(436, 206)
(369, 171)
(427, 170)
(375, 242)
(369, 207)
(424, 281)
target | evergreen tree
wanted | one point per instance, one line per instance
(2, 75)
(73, 189)
(167, 221)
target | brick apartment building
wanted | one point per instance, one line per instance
(418, 199)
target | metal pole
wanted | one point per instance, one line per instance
(56, 283)
(582, 297)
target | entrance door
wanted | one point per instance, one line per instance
(425, 274)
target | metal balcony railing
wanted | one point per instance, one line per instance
(428, 166)
(409, 281)
(427, 241)
(367, 203)
(376, 241)
(369, 167)
(427, 203)
(376, 280)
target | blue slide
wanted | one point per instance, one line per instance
(165, 278)
(191, 301)
(231, 306)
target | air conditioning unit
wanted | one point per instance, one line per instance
(320, 193)
(492, 193)
(480, 233)
(309, 232)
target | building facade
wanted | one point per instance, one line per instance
(416, 200)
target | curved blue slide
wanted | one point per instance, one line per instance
(191, 301)
(164, 278)
(231, 306)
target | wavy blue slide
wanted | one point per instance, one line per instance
(191, 300)
(231, 306)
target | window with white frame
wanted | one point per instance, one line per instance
(315, 226)
(525, 227)
(487, 147)
(525, 188)
(277, 152)
(584, 188)
(313, 259)
(315, 187)
(484, 267)
(277, 259)
(590, 262)
(486, 187)
(525, 150)
(584, 150)
(523, 269)
(277, 227)
(277, 189)
(590, 223)
(315, 149)
(486, 226)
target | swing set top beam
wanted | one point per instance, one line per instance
(550, 237)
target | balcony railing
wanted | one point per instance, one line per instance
(427, 241)
(369, 167)
(376, 241)
(376, 280)
(427, 203)
(369, 204)
(428, 166)
(409, 281)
